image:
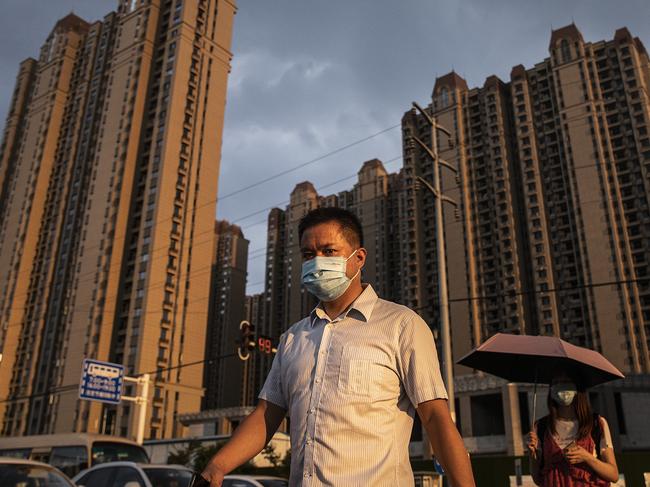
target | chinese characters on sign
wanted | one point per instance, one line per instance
(101, 381)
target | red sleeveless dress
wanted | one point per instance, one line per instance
(558, 472)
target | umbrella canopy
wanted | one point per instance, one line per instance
(529, 358)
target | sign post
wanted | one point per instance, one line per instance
(141, 400)
(103, 381)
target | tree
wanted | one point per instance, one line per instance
(183, 456)
(271, 455)
(203, 454)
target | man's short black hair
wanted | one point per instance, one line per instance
(350, 224)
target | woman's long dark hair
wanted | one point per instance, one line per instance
(583, 411)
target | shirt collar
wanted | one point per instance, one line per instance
(361, 307)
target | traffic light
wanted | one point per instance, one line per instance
(246, 340)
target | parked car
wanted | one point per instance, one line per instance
(72, 452)
(130, 474)
(253, 481)
(17, 472)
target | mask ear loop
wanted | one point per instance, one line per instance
(358, 271)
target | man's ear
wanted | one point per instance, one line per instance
(361, 254)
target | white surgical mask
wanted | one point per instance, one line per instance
(563, 394)
(326, 277)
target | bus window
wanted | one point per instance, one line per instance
(108, 451)
(16, 453)
(41, 455)
(69, 459)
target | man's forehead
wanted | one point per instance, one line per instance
(308, 244)
(324, 234)
(329, 230)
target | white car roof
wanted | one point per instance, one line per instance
(130, 464)
(162, 465)
(253, 477)
(22, 461)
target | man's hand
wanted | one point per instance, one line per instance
(213, 474)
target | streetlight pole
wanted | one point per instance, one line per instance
(443, 298)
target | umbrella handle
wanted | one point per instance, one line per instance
(532, 428)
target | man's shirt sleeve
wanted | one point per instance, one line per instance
(273, 390)
(418, 360)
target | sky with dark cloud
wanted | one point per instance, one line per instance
(311, 76)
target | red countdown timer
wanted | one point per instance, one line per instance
(265, 345)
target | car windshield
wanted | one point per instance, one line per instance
(273, 482)
(168, 477)
(17, 475)
(113, 451)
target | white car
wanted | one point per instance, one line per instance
(253, 481)
(16, 472)
(130, 474)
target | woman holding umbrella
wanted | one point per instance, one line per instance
(572, 446)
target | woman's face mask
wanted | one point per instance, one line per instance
(326, 277)
(564, 393)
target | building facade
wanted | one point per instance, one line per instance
(554, 194)
(110, 166)
(552, 237)
(224, 378)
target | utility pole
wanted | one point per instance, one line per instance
(443, 298)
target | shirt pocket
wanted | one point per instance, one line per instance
(363, 371)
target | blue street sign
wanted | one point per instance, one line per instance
(101, 381)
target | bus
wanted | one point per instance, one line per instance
(73, 452)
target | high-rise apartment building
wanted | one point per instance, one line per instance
(224, 378)
(554, 197)
(110, 166)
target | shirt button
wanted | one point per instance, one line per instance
(312, 410)
(306, 475)
(317, 381)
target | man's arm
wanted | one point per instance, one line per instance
(248, 440)
(446, 442)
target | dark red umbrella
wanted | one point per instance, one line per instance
(535, 359)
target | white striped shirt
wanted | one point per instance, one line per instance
(351, 386)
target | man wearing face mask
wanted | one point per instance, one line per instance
(351, 375)
(572, 446)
